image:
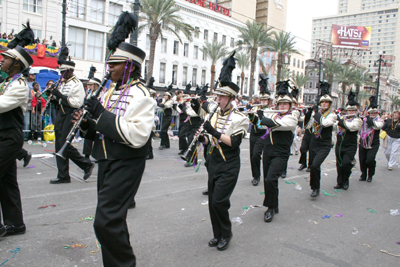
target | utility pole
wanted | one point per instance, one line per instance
(319, 75)
(134, 35)
(64, 17)
(380, 61)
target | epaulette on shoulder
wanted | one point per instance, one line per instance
(22, 81)
(143, 88)
(238, 112)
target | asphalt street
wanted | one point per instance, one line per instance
(171, 227)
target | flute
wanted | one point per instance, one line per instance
(196, 97)
(266, 111)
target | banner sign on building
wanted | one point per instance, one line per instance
(212, 6)
(351, 36)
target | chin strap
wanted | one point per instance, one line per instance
(12, 64)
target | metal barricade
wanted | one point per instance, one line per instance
(175, 120)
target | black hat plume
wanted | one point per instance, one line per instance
(169, 89)
(92, 71)
(263, 83)
(229, 64)
(63, 56)
(198, 90)
(372, 102)
(23, 38)
(295, 92)
(351, 97)
(150, 84)
(324, 86)
(282, 88)
(187, 89)
(127, 22)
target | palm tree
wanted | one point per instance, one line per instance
(159, 15)
(215, 51)
(252, 37)
(243, 63)
(285, 73)
(283, 44)
(395, 101)
(300, 80)
(360, 78)
(345, 76)
(331, 68)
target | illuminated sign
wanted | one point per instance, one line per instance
(351, 36)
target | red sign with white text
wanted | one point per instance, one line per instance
(213, 6)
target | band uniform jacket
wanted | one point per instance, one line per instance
(123, 132)
(348, 131)
(167, 106)
(322, 128)
(367, 132)
(74, 94)
(256, 128)
(13, 103)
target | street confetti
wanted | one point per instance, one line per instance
(262, 193)
(327, 194)
(355, 231)
(15, 251)
(49, 150)
(73, 245)
(372, 210)
(31, 167)
(246, 209)
(39, 173)
(326, 217)
(204, 203)
(203, 219)
(364, 245)
(89, 218)
(338, 190)
(386, 252)
(288, 182)
(325, 174)
(43, 207)
(339, 215)
(398, 243)
(1, 264)
(182, 208)
(97, 250)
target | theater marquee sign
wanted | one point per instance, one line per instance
(212, 6)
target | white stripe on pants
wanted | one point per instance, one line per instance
(392, 150)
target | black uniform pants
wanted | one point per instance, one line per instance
(166, 122)
(150, 152)
(220, 188)
(367, 160)
(318, 153)
(183, 131)
(11, 142)
(87, 147)
(273, 166)
(63, 126)
(305, 147)
(256, 149)
(344, 159)
(117, 185)
(22, 154)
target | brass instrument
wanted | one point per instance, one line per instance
(63, 150)
(200, 131)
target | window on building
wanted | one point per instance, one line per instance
(161, 79)
(76, 39)
(174, 74)
(164, 45)
(95, 46)
(186, 50)
(76, 9)
(38, 33)
(294, 62)
(146, 69)
(194, 76)
(184, 75)
(224, 39)
(298, 63)
(310, 84)
(302, 64)
(114, 11)
(176, 47)
(246, 81)
(204, 56)
(195, 52)
(97, 11)
(33, 6)
(232, 42)
(215, 37)
(196, 32)
(238, 80)
(203, 77)
(147, 41)
(205, 35)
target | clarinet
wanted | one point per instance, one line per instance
(54, 86)
(63, 150)
(200, 131)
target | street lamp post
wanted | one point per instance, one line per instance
(319, 75)
(134, 35)
(380, 61)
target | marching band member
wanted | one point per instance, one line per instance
(322, 121)
(305, 142)
(166, 106)
(279, 138)
(14, 95)
(194, 121)
(369, 141)
(225, 131)
(346, 144)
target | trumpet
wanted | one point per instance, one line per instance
(200, 131)
(63, 150)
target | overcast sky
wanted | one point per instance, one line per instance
(299, 18)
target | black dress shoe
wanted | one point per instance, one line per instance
(302, 167)
(213, 242)
(346, 185)
(369, 179)
(224, 242)
(308, 169)
(269, 214)
(2, 231)
(15, 230)
(182, 152)
(338, 186)
(60, 181)
(283, 175)
(187, 164)
(255, 181)
(276, 210)
(161, 147)
(205, 192)
(27, 159)
(150, 156)
(362, 178)
(132, 205)
(315, 193)
(88, 172)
